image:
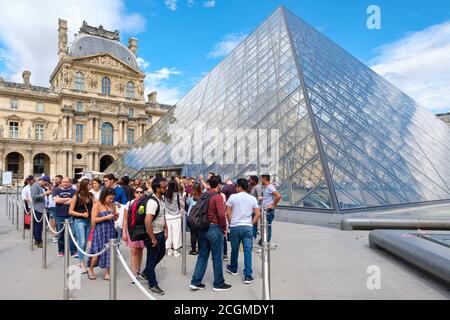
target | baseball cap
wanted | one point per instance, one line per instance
(45, 178)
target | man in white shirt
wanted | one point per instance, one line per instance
(26, 192)
(240, 207)
(156, 227)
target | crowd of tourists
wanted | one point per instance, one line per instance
(148, 215)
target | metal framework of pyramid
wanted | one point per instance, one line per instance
(348, 139)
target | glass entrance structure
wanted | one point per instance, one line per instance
(346, 137)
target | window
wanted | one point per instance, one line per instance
(107, 134)
(79, 133)
(149, 119)
(79, 106)
(14, 103)
(106, 86)
(130, 136)
(131, 112)
(39, 107)
(13, 160)
(14, 130)
(38, 164)
(39, 131)
(79, 81)
(130, 90)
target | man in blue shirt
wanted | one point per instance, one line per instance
(110, 182)
(62, 197)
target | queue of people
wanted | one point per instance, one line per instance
(148, 215)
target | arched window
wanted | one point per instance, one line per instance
(150, 120)
(79, 81)
(107, 134)
(130, 90)
(106, 86)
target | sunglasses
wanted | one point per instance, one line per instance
(139, 192)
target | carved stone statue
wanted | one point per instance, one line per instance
(1, 131)
(29, 133)
(55, 134)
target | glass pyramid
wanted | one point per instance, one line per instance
(346, 137)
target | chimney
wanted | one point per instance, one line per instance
(132, 45)
(62, 37)
(26, 77)
(152, 97)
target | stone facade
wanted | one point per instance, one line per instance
(92, 111)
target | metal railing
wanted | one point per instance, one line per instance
(265, 255)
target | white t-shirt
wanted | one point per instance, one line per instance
(160, 221)
(242, 205)
(269, 197)
(96, 194)
(50, 202)
(120, 212)
(26, 193)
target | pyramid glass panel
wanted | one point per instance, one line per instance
(333, 133)
(381, 147)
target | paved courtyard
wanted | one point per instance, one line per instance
(309, 263)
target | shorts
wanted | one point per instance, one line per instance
(51, 212)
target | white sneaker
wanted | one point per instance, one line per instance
(176, 254)
(170, 252)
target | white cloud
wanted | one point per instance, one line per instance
(171, 4)
(226, 45)
(209, 4)
(159, 81)
(419, 64)
(28, 31)
(142, 64)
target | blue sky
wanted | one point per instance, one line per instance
(181, 40)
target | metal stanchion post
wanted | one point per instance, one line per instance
(184, 247)
(23, 220)
(12, 210)
(7, 201)
(31, 227)
(112, 270)
(66, 260)
(44, 240)
(265, 254)
(17, 214)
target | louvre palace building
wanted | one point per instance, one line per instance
(93, 110)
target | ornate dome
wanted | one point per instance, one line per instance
(88, 45)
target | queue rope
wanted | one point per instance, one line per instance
(132, 276)
(51, 229)
(82, 251)
(36, 219)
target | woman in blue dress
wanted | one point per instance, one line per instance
(103, 216)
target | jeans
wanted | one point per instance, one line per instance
(242, 234)
(59, 226)
(194, 236)
(269, 217)
(209, 241)
(37, 227)
(82, 228)
(154, 256)
(254, 227)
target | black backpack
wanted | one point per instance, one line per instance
(136, 218)
(198, 216)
